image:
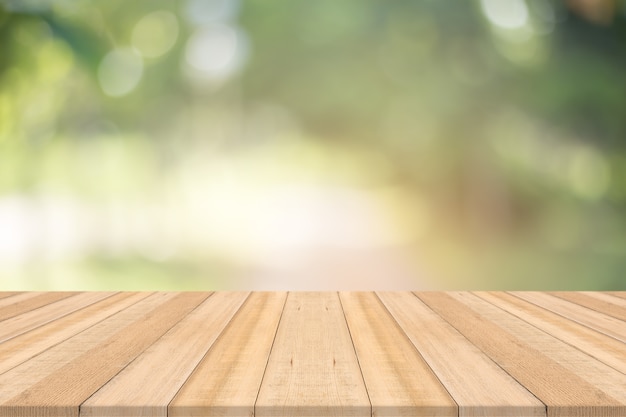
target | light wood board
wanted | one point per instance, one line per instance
(385, 353)
(461, 366)
(488, 354)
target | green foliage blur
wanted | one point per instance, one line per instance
(361, 144)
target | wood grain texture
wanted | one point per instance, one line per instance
(16, 298)
(601, 322)
(166, 360)
(35, 301)
(600, 346)
(478, 385)
(619, 294)
(6, 294)
(602, 377)
(19, 349)
(27, 374)
(517, 347)
(384, 354)
(227, 380)
(62, 391)
(608, 297)
(595, 302)
(18, 304)
(487, 354)
(34, 318)
(312, 369)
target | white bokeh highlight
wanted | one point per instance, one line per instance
(120, 72)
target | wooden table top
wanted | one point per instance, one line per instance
(313, 354)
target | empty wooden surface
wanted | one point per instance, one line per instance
(313, 354)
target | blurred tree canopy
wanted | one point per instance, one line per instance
(508, 117)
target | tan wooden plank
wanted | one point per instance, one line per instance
(123, 347)
(590, 318)
(150, 382)
(18, 298)
(567, 380)
(587, 299)
(398, 381)
(477, 384)
(5, 294)
(600, 375)
(312, 369)
(59, 389)
(227, 380)
(620, 294)
(21, 377)
(602, 347)
(19, 349)
(24, 322)
(30, 301)
(608, 297)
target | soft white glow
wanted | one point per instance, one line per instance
(202, 12)
(310, 217)
(507, 14)
(120, 72)
(212, 50)
(263, 221)
(18, 229)
(35, 228)
(155, 33)
(214, 54)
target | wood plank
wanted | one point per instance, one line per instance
(312, 369)
(600, 375)
(150, 382)
(586, 387)
(598, 321)
(313, 354)
(5, 294)
(598, 345)
(620, 294)
(28, 301)
(477, 384)
(17, 298)
(90, 359)
(398, 381)
(590, 300)
(24, 322)
(22, 377)
(227, 380)
(608, 297)
(19, 349)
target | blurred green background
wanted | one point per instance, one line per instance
(292, 144)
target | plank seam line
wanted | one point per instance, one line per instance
(358, 361)
(618, 294)
(559, 340)
(554, 294)
(76, 334)
(139, 354)
(280, 319)
(612, 295)
(571, 318)
(42, 306)
(167, 410)
(7, 294)
(74, 293)
(406, 336)
(57, 318)
(545, 406)
(544, 331)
